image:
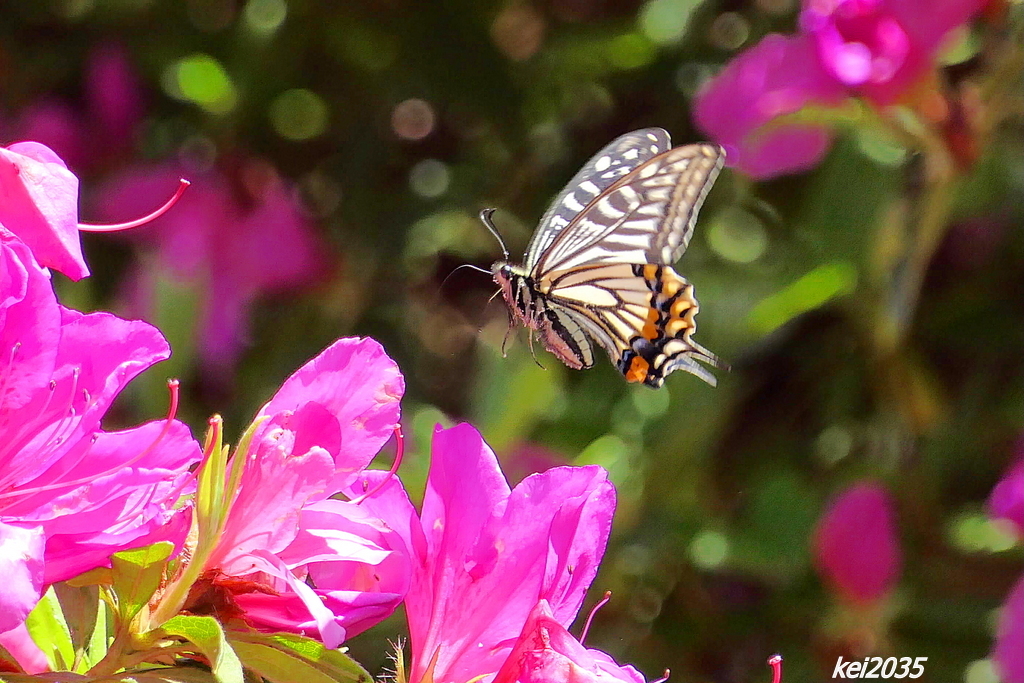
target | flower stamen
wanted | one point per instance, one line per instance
(172, 411)
(664, 676)
(399, 452)
(590, 617)
(115, 227)
(775, 662)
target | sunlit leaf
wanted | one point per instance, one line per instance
(49, 630)
(208, 636)
(807, 293)
(137, 575)
(281, 667)
(334, 663)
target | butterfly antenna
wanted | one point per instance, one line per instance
(464, 265)
(485, 216)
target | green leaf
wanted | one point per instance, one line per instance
(137, 575)
(287, 666)
(101, 576)
(55, 677)
(81, 608)
(208, 637)
(177, 674)
(808, 292)
(50, 632)
(337, 665)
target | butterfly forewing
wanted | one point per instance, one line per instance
(647, 216)
(616, 160)
(600, 262)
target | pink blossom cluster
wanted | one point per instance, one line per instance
(874, 50)
(1006, 503)
(491, 576)
(71, 493)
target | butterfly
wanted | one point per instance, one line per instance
(600, 263)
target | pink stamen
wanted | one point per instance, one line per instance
(775, 662)
(664, 677)
(114, 227)
(590, 617)
(399, 452)
(172, 385)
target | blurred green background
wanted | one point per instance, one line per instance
(393, 123)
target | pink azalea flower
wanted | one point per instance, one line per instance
(1009, 647)
(547, 653)
(70, 493)
(322, 428)
(39, 204)
(238, 244)
(1007, 498)
(780, 75)
(875, 49)
(880, 48)
(485, 556)
(855, 544)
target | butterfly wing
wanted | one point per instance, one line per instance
(616, 160)
(643, 315)
(646, 216)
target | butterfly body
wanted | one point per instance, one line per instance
(599, 265)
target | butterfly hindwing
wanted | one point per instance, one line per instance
(643, 315)
(647, 216)
(616, 160)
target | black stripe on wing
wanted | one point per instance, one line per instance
(614, 161)
(647, 216)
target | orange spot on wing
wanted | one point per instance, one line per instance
(650, 331)
(637, 370)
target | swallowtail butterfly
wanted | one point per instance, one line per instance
(600, 264)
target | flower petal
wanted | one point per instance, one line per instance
(855, 543)
(39, 203)
(778, 76)
(490, 554)
(358, 388)
(547, 653)
(21, 565)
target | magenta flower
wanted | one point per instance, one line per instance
(874, 49)
(486, 556)
(237, 244)
(547, 653)
(1009, 647)
(1007, 498)
(39, 204)
(70, 493)
(880, 48)
(780, 75)
(855, 544)
(284, 533)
